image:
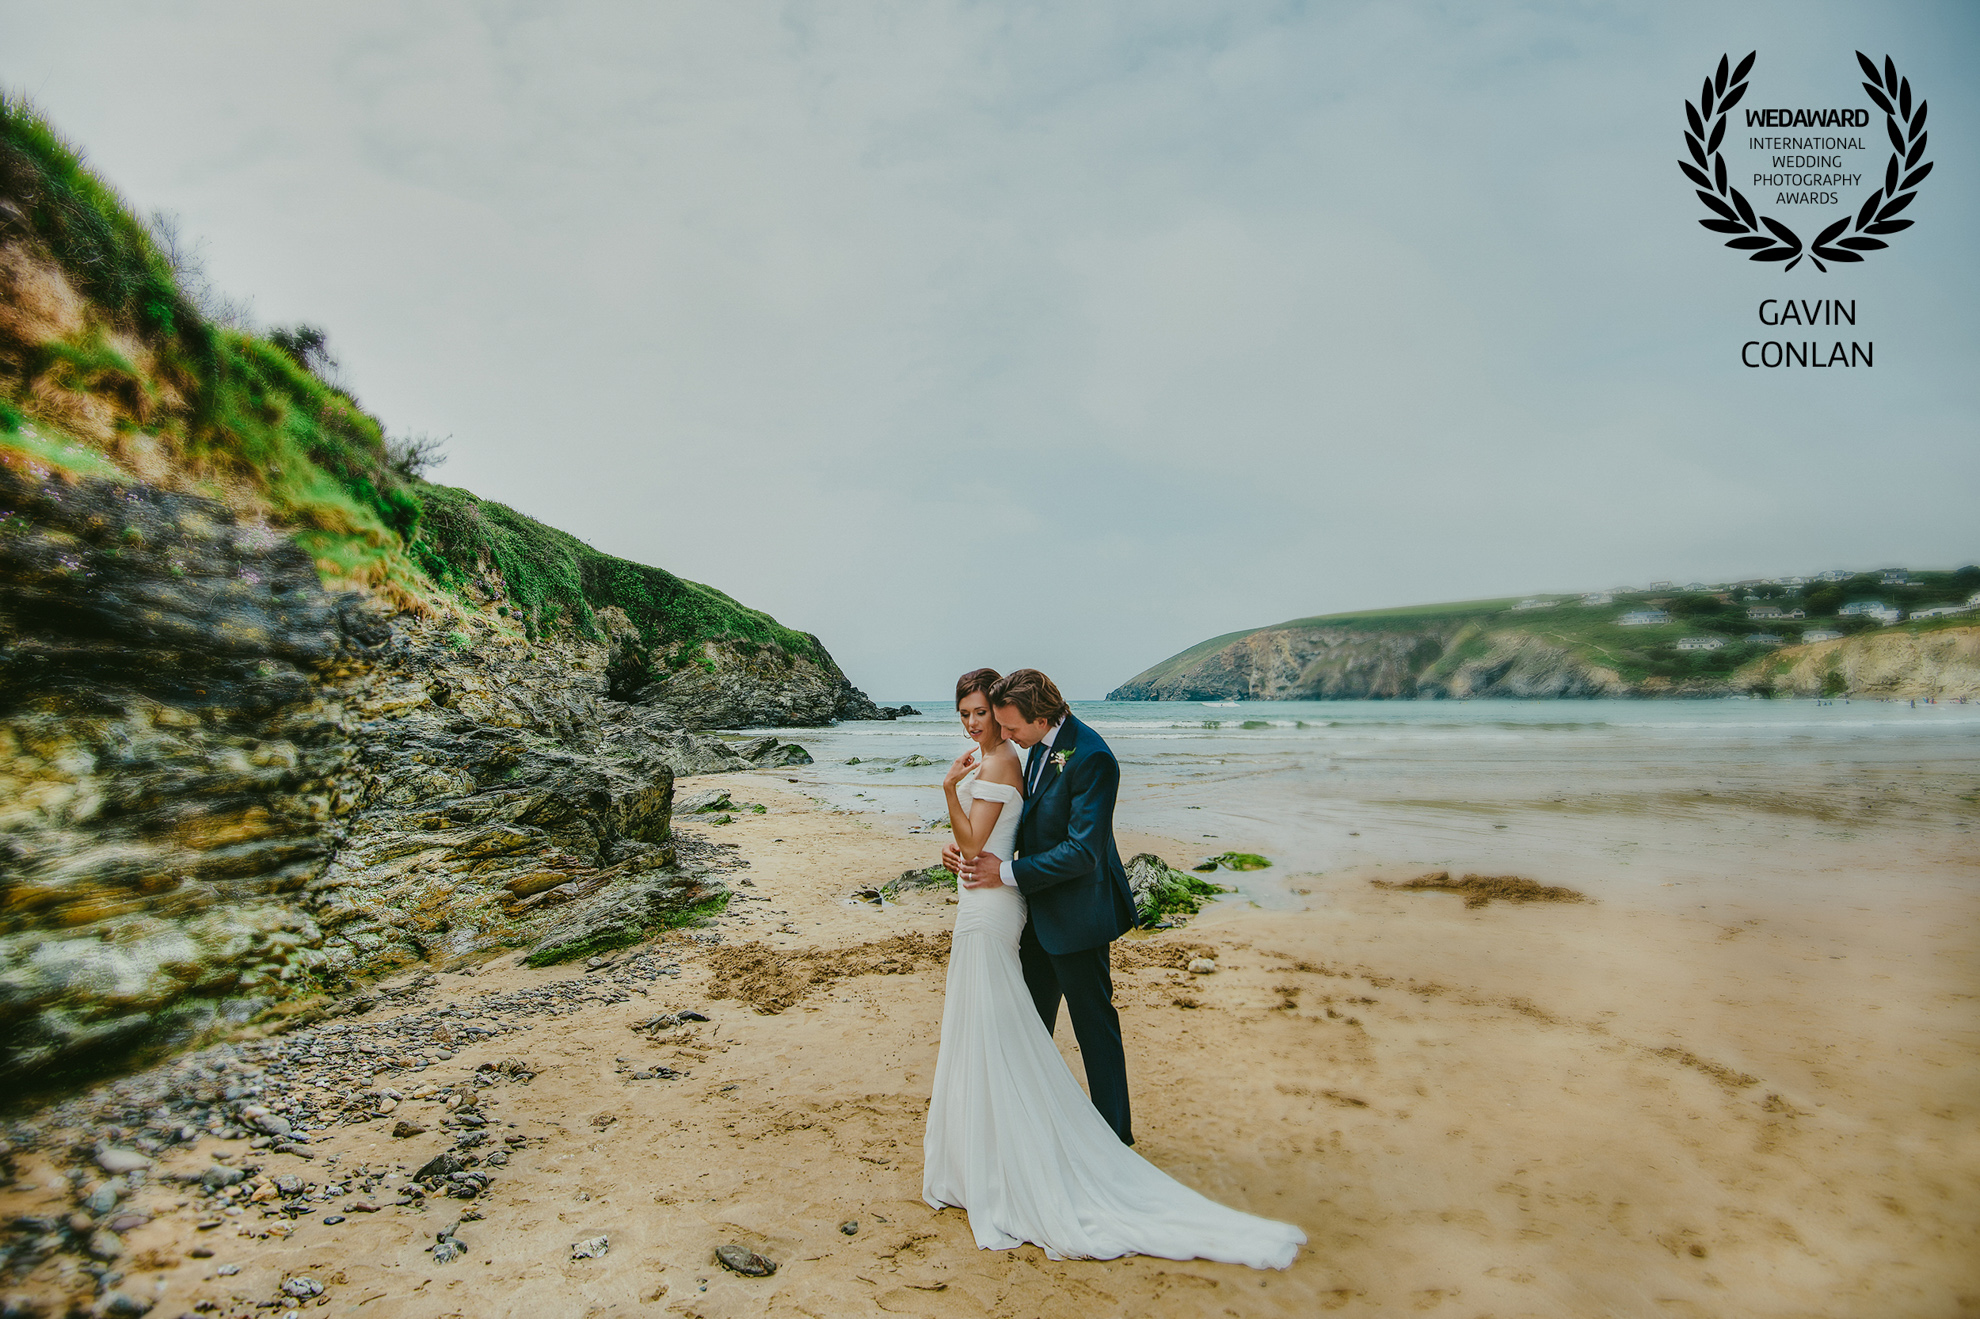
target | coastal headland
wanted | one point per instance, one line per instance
(1889, 634)
(1472, 1105)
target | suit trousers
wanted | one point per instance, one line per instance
(1085, 981)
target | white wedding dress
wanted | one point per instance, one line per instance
(1012, 1138)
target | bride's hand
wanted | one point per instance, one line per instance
(962, 766)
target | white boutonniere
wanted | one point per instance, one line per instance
(1059, 759)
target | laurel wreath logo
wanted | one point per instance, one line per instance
(1764, 238)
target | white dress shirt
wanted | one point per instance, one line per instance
(1043, 747)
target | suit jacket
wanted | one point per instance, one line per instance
(1067, 866)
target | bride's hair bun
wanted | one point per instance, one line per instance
(976, 680)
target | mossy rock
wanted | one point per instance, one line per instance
(629, 914)
(1161, 891)
(1233, 861)
(931, 877)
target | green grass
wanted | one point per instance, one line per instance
(555, 580)
(59, 452)
(88, 228)
(1453, 611)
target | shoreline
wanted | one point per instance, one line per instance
(1550, 1108)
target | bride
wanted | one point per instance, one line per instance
(1011, 1137)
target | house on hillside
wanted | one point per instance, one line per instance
(1759, 613)
(1815, 634)
(1896, 577)
(1834, 575)
(1973, 599)
(1697, 586)
(1591, 598)
(1644, 618)
(1791, 581)
(1660, 586)
(1700, 643)
(1877, 609)
(1943, 611)
(1535, 602)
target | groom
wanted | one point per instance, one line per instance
(1071, 876)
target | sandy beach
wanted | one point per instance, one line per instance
(1549, 1108)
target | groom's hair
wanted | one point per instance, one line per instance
(1035, 696)
(976, 680)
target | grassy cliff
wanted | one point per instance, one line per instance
(110, 366)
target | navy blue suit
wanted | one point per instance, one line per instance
(1071, 875)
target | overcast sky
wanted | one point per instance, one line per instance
(1072, 334)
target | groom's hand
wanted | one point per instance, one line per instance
(952, 859)
(985, 871)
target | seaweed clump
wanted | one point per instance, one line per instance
(1478, 890)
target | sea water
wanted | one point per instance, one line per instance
(1651, 795)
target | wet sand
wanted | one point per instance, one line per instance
(1616, 1107)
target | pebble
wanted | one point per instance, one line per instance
(743, 1260)
(228, 1270)
(591, 1248)
(850, 1227)
(332, 1220)
(116, 1161)
(302, 1287)
(1202, 966)
(117, 1305)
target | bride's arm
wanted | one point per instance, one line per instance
(1000, 768)
(958, 817)
(978, 825)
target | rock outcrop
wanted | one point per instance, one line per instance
(1942, 665)
(1520, 666)
(221, 784)
(741, 686)
(1297, 664)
